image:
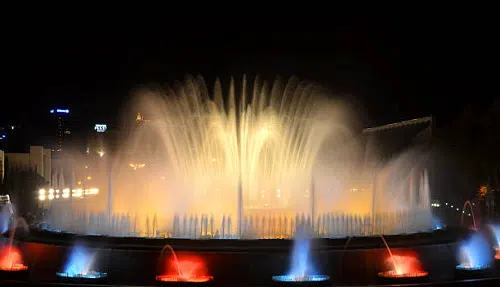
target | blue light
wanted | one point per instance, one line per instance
(307, 278)
(63, 111)
(80, 264)
(52, 111)
(475, 253)
(302, 269)
(90, 275)
(4, 136)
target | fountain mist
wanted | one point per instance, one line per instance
(255, 162)
(80, 264)
(475, 253)
(188, 269)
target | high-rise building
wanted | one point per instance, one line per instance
(63, 130)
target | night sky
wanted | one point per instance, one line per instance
(388, 70)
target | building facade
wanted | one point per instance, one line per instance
(63, 130)
(38, 159)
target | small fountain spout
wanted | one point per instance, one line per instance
(471, 211)
(167, 246)
(398, 270)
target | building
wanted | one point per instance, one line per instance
(38, 159)
(63, 131)
(386, 154)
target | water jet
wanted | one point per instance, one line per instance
(302, 271)
(406, 267)
(475, 256)
(80, 265)
(190, 269)
(235, 155)
(11, 262)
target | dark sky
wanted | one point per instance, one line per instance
(389, 70)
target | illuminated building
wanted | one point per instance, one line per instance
(62, 131)
(38, 158)
(380, 146)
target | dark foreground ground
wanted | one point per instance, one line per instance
(137, 261)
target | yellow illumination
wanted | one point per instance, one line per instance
(41, 197)
(89, 177)
(93, 191)
(135, 166)
(51, 196)
(41, 192)
(51, 191)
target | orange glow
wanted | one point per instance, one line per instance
(406, 265)
(192, 269)
(481, 193)
(11, 261)
(497, 254)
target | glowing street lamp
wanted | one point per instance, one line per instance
(135, 166)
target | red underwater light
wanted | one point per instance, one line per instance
(185, 269)
(11, 260)
(405, 266)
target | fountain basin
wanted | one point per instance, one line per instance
(11, 266)
(19, 273)
(464, 271)
(89, 277)
(393, 277)
(177, 278)
(307, 280)
(14, 268)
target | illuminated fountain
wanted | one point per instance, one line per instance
(190, 269)
(496, 233)
(475, 255)
(406, 266)
(250, 163)
(11, 259)
(11, 262)
(474, 226)
(6, 213)
(302, 270)
(79, 266)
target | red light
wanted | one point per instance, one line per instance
(177, 278)
(403, 266)
(188, 269)
(11, 260)
(497, 254)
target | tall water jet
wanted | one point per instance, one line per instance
(302, 269)
(252, 150)
(6, 213)
(80, 265)
(229, 154)
(496, 233)
(10, 257)
(475, 255)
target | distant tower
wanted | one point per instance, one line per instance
(62, 129)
